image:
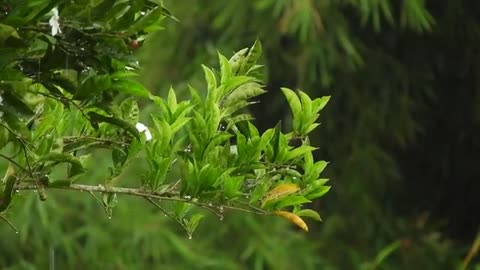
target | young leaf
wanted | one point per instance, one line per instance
(252, 57)
(164, 131)
(309, 213)
(172, 100)
(237, 59)
(232, 185)
(225, 69)
(290, 201)
(235, 82)
(193, 222)
(299, 151)
(319, 192)
(211, 83)
(243, 92)
(296, 108)
(178, 124)
(319, 103)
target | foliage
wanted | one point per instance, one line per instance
(71, 91)
(405, 119)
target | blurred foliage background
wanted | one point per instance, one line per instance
(402, 132)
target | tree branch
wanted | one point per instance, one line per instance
(139, 192)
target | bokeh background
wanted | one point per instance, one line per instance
(402, 132)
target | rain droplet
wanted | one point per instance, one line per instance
(187, 197)
(143, 13)
(17, 191)
(35, 191)
(221, 218)
(189, 237)
(109, 217)
(17, 232)
(220, 209)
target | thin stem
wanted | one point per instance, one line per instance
(4, 218)
(172, 217)
(13, 161)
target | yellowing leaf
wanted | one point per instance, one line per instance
(279, 191)
(292, 218)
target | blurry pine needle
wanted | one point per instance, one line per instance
(472, 252)
(382, 255)
(9, 223)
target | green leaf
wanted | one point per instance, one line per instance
(195, 96)
(311, 128)
(232, 186)
(319, 103)
(97, 118)
(243, 93)
(193, 222)
(295, 106)
(211, 83)
(93, 86)
(129, 110)
(7, 31)
(9, 180)
(262, 188)
(164, 131)
(178, 124)
(213, 118)
(153, 17)
(309, 213)
(172, 100)
(218, 140)
(238, 118)
(319, 192)
(237, 59)
(76, 164)
(291, 200)
(387, 251)
(252, 57)
(131, 88)
(160, 173)
(225, 69)
(299, 151)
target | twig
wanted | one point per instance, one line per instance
(13, 161)
(472, 252)
(9, 223)
(139, 192)
(172, 217)
(103, 189)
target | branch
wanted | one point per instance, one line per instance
(138, 192)
(104, 189)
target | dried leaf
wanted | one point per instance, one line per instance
(279, 191)
(292, 218)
